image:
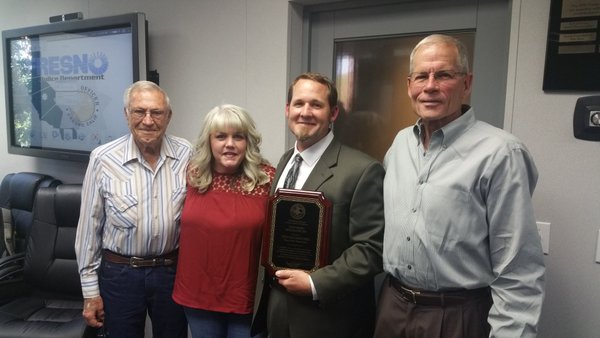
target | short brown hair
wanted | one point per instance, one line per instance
(332, 96)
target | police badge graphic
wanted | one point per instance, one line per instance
(297, 211)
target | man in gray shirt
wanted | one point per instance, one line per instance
(461, 247)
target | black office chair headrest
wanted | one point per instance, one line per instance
(17, 190)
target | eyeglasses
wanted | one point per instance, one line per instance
(440, 76)
(141, 113)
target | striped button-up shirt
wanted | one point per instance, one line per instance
(127, 207)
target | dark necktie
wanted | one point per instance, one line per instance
(292, 175)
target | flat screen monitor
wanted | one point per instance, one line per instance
(64, 83)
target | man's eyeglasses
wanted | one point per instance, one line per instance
(440, 76)
(140, 113)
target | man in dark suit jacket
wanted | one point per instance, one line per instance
(336, 300)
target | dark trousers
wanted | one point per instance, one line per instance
(130, 293)
(399, 318)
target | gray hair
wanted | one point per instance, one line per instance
(463, 54)
(144, 86)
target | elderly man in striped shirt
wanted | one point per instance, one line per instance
(128, 232)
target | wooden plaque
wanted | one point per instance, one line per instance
(296, 233)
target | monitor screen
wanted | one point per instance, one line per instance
(65, 81)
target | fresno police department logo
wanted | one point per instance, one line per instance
(297, 211)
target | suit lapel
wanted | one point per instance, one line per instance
(322, 170)
(320, 173)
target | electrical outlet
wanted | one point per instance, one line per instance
(544, 230)
(598, 248)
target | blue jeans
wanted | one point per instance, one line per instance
(130, 293)
(211, 324)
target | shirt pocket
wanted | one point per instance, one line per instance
(122, 211)
(447, 216)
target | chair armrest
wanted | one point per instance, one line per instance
(11, 267)
(18, 257)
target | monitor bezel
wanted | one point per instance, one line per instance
(139, 29)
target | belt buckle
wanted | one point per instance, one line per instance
(138, 262)
(412, 293)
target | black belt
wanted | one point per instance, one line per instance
(141, 262)
(431, 298)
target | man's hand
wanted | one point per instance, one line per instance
(294, 281)
(93, 311)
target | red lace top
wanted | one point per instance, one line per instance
(219, 245)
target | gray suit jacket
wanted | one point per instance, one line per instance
(353, 182)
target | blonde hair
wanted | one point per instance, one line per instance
(218, 119)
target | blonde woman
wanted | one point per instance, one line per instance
(221, 225)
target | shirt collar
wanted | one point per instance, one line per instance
(452, 130)
(132, 152)
(312, 154)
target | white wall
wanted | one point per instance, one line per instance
(568, 190)
(207, 52)
(214, 51)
